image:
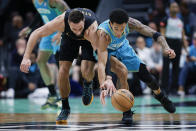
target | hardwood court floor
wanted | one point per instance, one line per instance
(25, 114)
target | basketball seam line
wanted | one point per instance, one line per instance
(125, 97)
(118, 103)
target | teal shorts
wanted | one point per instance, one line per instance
(46, 44)
(127, 56)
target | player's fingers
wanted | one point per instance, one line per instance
(26, 68)
(107, 91)
(102, 86)
(114, 89)
(172, 54)
(102, 99)
(104, 93)
(101, 96)
(111, 91)
(22, 68)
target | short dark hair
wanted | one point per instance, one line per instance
(75, 16)
(119, 16)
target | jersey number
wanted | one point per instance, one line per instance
(45, 18)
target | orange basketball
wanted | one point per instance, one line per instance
(122, 100)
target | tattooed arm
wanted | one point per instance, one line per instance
(147, 31)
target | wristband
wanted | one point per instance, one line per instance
(156, 36)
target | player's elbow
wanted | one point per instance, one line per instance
(36, 34)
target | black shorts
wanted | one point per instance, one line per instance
(69, 50)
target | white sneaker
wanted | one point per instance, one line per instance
(181, 93)
(2, 94)
(10, 93)
(147, 91)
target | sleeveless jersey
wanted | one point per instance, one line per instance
(120, 47)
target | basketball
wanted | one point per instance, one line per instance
(122, 100)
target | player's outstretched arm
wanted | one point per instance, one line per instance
(102, 55)
(55, 25)
(147, 31)
(106, 85)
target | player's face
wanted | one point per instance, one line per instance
(77, 28)
(118, 29)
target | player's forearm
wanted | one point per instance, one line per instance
(102, 59)
(101, 73)
(139, 27)
(31, 44)
(147, 31)
(161, 40)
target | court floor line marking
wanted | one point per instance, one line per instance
(106, 125)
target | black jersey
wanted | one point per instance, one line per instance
(89, 19)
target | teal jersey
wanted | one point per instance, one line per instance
(120, 48)
(115, 41)
(47, 13)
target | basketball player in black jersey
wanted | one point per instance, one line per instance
(78, 27)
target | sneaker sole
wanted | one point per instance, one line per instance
(90, 101)
(61, 122)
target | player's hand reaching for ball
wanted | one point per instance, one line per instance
(106, 88)
(169, 52)
(25, 64)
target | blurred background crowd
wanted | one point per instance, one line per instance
(176, 77)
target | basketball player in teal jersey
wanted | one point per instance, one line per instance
(48, 10)
(79, 28)
(113, 43)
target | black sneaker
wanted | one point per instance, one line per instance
(87, 94)
(63, 116)
(127, 117)
(165, 102)
(51, 102)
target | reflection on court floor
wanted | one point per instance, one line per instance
(20, 114)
